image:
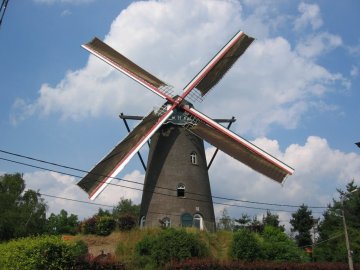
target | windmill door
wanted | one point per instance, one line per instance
(186, 220)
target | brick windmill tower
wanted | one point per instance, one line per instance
(177, 191)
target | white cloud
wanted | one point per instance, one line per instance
(273, 83)
(354, 50)
(310, 15)
(354, 72)
(278, 86)
(319, 170)
(65, 13)
(271, 76)
(318, 44)
(64, 187)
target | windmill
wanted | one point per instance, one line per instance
(177, 189)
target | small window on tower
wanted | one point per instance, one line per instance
(181, 190)
(194, 158)
(165, 222)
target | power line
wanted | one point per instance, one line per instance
(104, 205)
(324, 241)
(136, 182)
(143, 190)
(74, 200)
(139, 183)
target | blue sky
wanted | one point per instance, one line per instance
(295, 92)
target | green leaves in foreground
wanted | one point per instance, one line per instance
(271, 245)
(170, 245)
(37, 253)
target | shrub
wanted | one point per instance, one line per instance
(100, 225)
(126, 222)
(245, 246)
(204, 264)
(88, 226)
(169, 245)
(105, 225)
(277, 246)
(44, 252)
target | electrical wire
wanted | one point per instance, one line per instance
(321, 242)
(155, 192)
(139, 183)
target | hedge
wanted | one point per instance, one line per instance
(204, 264)
(43, 252)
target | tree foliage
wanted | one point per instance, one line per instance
(331, 245)
(126, 207)
(126, 214)
(22, 213)
(276, 245)
(62, 223)
(126, 222)
(272, 244)
(225, 222)
(302, 222)
(272, 220)
(246, 246)
(256, 225)
(105, 225)
(42, 252)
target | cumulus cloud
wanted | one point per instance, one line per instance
(272, 76)
(310, 15)
(68, 194)
(318, 44)
(278, 86)
(65, 13)
(319, 170)
(354, 72)
(274, 83)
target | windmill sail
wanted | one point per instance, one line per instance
(206, 128)
(212, 73)
(101, 175)
(126, 66)
(239, 148)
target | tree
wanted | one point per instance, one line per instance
(103, 213)
(126, 207)
(272, 220)
(126, 213)
(32, 208)
(256, 225)
(62, 223)
(276, 245)
(225, 222)
(330, 245)
(22, 213)
(302, 221)
(242, 222)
